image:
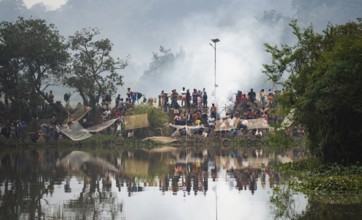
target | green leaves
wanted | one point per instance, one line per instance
(323, 183)
(32, 58)
(280, 60)
(323, 86)
(93, 70)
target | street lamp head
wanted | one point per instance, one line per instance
(215, 40)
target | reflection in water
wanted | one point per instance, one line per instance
(168, 183)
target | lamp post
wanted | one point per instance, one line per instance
(214, 46)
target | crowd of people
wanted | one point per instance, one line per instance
(188, 108)
(15, 129)
(186, 99)
(192, 108)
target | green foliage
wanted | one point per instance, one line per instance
(334, 183)
(322, 182)
(94, 71)
(32, 57)
(324, 79)
(284, 203)
(278, 139)
(156, 117)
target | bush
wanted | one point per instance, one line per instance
(156, 119)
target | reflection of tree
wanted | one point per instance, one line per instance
(94, 201)
(284, 203)
(28, 176)
(96, 198)
(24, 186)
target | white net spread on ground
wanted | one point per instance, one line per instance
(135, 121)
(227, 125)
(77, 132)
(224, 125)
(188, 128)
(259, 123)
(101, 126)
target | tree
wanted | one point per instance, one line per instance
(323, 86)
(32, 57)
(161, 62)
(161, 67)
(94, 71)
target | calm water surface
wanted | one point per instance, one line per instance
(166, 183)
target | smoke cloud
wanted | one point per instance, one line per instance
(139, 27)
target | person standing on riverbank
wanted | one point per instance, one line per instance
(204, 99)
(262, 98)
(213, 111)
(183, 97)
(252, 97)
(188, 99)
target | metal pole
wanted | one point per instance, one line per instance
(214, 46)
(215, 71)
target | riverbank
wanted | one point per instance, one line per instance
(111, 141)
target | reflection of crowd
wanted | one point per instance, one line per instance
(191, 178)
(186, 178)
(246, 179)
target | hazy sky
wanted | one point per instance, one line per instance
(49, 4)
(139, 27)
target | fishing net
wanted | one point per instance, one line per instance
(78, 114)
(225, 125)
(190, 129)
(101, 126)
(76, 132)
(135, 121)
(259, 123)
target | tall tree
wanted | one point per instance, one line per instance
(94, 71)
(161, 67)
(161, 63)
(32, 57)
(323, 86)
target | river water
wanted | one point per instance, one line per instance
(165, 183)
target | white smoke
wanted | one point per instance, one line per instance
(139, 27)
